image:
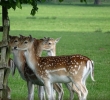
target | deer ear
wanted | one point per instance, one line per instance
(10, 36)
(44, 37)
(57, 40)
(21, 36)
(30, 38)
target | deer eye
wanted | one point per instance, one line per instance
(15, 41)
(25, 42)
(49, 43)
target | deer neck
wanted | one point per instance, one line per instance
(33, 61)
(38, 51)
(19, 61)
(31, 58)
(52, 52)
(37, 47)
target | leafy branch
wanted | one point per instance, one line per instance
(18, 3)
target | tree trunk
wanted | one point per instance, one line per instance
(96, 2)
(4, 57)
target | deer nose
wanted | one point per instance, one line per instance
(15, 47)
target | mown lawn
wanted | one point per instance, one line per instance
(83, 30)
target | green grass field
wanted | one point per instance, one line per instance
(84, 29)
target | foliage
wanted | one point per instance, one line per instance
(18, 3)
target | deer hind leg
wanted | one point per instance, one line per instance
(59, 89)
(85, 92)
(71, 91)
(30, 90)
(75, 89)
(79, 88)
(76, 86)
(41, 93)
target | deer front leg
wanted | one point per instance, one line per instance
(49, 89)
(53, 92)
(30, 90)
(41, 93)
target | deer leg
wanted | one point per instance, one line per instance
(8, 93)
(48, 89)
(77, 87)
(30, 90)
(84, 96)
(71, 91)
(53, 92)
(41, 93)
(81, 90)
(61, 92)
(59, 89)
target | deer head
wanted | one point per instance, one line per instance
(13, 41)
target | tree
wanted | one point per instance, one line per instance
(96, 2)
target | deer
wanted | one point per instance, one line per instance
(50, 45)
(57, 69)
(51, 50)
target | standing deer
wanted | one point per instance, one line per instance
(24, 71)
(54, 69)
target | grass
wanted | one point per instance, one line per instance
(83, 30)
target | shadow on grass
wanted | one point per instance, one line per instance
(83, 4)
(98, 99)
(32, 17)
(92, 5)
(55, 33)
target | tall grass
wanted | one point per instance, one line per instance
(83, 30)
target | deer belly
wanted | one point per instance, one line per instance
(58, 75)
(35, 80)
(59, 79)
(38, 82)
